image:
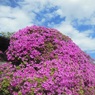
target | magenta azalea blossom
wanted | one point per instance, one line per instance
(42, 61)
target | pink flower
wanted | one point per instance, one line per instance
(43, 61)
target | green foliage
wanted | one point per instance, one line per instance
(7, 34)
(81, 91)
(19, 93)
(53, 70)
(4, 85)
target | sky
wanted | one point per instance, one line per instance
(74, 18)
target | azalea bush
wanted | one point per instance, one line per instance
(42, 61)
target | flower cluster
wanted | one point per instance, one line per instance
(35, 44)
(42, 61)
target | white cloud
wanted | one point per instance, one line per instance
(82, 39)
(33, 6)
(72, 9)
(12, 19)
(75, 8)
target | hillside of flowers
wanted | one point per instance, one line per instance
(42, 61)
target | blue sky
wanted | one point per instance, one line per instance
(75, 18)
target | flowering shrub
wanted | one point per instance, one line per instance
(35, 44)
(42, 61)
